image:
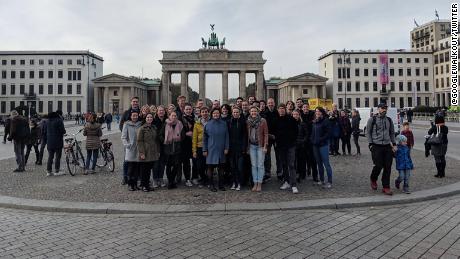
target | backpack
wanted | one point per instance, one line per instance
(374, 123)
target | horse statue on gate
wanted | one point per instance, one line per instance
(203, 42)
(222, 43)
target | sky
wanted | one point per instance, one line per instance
(130, 35)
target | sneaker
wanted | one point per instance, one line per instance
(295, 190)
(374, 185)
(195, 182)
(238, 187)
(188, 183)
(285, 186)
(387, 191)
(318, 183)
(233, 187)
(327, 186)
(397, 183)
(145, 189)
(155, 184)
(49, 173)
(406, 190)
(59, 173)
(162, 183)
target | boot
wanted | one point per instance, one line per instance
(443, 170)
(221, 180)
(211, 185)
(438, 167)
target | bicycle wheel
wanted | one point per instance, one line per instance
(110, 161)
(80, 159)
(101, 161)
(70, 161)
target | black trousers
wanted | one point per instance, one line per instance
(301, 162)
(356, 141)
(172, 168)
(201, 166)
(42, 150)
(37, 153)
(133, 172)
(57, 161)
(382, 156)
(145, 169)
(220, 172)
(441, 165)
(312, 168)
(346, 142)
(236, 164)
(185, 166)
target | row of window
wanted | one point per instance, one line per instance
(72, 75)
(441, 57)
(38, 106)
(375, 101)
(50, 89)
(442, 82)
(342, 72)
(374, 60)
(392, 86)
(41, 62)
(441, 69)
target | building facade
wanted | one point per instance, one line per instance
(48, 80)
(426, 36)
(364, 78)
(441, 60)
(306, 86)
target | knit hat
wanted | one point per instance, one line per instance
(438, 119)
(401, 138)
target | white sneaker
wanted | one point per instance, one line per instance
(195, 182)
(285, 186)
(233, 187)
(327, 186)
(238, 187)
(49, 174)
(155, 184)
(59, 173)
(317, 183)
(162, 183)
(188, 183)
(295, 190)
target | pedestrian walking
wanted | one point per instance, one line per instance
(33, 141)
(19, 133)
(54, 131)
(438, 142)
(355, 131)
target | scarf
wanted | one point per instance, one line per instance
(204, 122)
(254, 129)
(254, 122)
(172, 131)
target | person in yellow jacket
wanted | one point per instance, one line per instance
(197, 147)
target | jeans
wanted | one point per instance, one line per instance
(91, 155)
(236, 165)
(57, 162)
(382, 156)
(159, 168)
(287, 162)
(37, 153)
(109, 126)
(257, 163)
(346, 142)
(356, 141)
(404, 177)
(19, 146)
(322, 160)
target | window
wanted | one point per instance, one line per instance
(69, 106)
(22, 89)
(366, 86)
(13, 74)
(339, 73)
(427, 86)
(50, 74)
(78, 75)
(41, 74)
(339, 61)
(358, 102)
(60, 74)
(305, 91)
(3, 89)
(357, 72)
(41, 62)
(400, 72)
(31, 89)
(79, 89)
(357, 87)
(3, 107)
(376, 101)
(393, 100)
(392, 72)
(356, 60)
(40, 89)
(419, 101)
(374, 60)
(435, 59)
(401, 102)
(366, 60)
(115, 93)
(50, 61)
(13, 62)
(78, 61)
(417, 60)
(392, 60)
(59, 88)
(417, 84)
(13, 89)
(408, 60)
(69, 88)
(442, 69)
(409, 86)
(22, 74)
(366, 72)
(425, 71)
(366, 101)
(78, 106)
(409, 72)
(74, 74)
(340, 103)
(3, 74)
(69, 62)
(4, 62)
(392, 86)
(32, 62)
(339, 86)
(60, 62)
(417, 72)
(436, 71)
(22, 62)
(40, 106)
(31, 74)
(374, 86)
(427, 101)
(50, 106)
(50, 89)
(69, 75)
(12, 105)
(374, 72)
(59, 106)
(437, 83)
(349, 86)
(348, 103)
(400, 60)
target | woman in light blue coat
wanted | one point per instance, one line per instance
(215, 148)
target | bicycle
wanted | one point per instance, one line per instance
(73, 155)
(108, 159)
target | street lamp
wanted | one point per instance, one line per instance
(346, 60)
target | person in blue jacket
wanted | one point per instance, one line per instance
(403, 164)
(319, 139)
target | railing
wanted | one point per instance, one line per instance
(30, 96)
(385, 92)
(426, 116)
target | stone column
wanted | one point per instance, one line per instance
(106, 100)
(157, 97)
(315, 91)
(96, 99)
(165, 88)
(184, 84)
(224, 87)
(243, 84)
(202, 85)
(131, 92)
(324, 92)
(121, 107)
(260, 85)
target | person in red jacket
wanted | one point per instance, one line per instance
(407, 132)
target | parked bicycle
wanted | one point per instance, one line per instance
(73, 155)
(108, 159)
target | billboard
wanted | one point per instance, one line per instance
(383, 68)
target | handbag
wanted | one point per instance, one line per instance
(436, 139)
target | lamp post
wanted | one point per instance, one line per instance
(88, 106)
(346, 60)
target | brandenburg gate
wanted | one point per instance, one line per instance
(213, 57)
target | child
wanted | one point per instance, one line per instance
(403, 163)
(408, 134)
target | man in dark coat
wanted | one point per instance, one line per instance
(19, 133)
(54, 131)
(108, 119)
(7, 129)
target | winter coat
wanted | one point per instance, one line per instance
(188, 122)
(382, 132)
(197, 139)
(127, 116)
(439, 150)
(93, 133)
(403, 159)
(355, 125)
(7, 125)
(129, 140)
(54, 131)
(175, 147)
(19, 129)
(302, 134)
(263, 133)
(215, 141)
(345, 126)
(320, 132)
(334, 127)
(35, 136)
(238, 136)
(410, 137)
(272, 119)
(286, 132)
(148, 143)
(108, 118)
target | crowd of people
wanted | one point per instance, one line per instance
(231, 145)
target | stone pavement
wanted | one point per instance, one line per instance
(419, 230)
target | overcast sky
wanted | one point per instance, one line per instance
(130, 35)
